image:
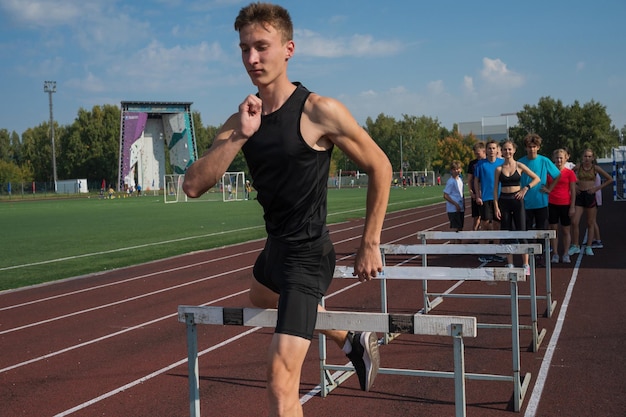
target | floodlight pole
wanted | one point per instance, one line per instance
(51, 87)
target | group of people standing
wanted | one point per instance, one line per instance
(533, 192)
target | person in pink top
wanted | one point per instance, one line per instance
(561, 206)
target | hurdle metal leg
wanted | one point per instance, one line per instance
(459, 370)
(550, 305)
(192, 365)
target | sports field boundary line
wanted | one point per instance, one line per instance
(182, 239)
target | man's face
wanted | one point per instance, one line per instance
(263, 52)
(532, 150)
(479, 153)
(492, 151)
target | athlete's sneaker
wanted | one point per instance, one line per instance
(573, 250)
(526, 269)
(555, 259)
(509, 265)
(499, 258)
(588, 251)
(566, 259)
(365, 357)
(597, 244)
(485, 258)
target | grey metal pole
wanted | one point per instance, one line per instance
(51, 87)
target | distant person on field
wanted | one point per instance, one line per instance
(455, 200)
(248, 189)
(287, 135)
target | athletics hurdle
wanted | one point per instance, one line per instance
(513, 275)
(459, 249)
(546, 235)
(455, 326)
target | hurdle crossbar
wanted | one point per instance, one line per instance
(544, 235)
(456, 327)
(513, 275)
(461, 249)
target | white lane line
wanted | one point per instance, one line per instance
(127, 280)
(108, 336)
(126, 300)
(145, 245)
(542, 376)
(152, 375)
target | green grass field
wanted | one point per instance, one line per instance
(47, 240)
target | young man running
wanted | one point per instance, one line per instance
(287, 135)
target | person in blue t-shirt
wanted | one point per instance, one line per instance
(484, 179)
(536, 198)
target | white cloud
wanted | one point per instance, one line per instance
(48, 12)
(468, 84)
(496, 73)
(436, 87)
(310, 43)
(91, 83)
(153, 66)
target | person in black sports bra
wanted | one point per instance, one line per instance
(287, 134)
(509, 205)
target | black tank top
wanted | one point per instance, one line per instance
(290, 177)
(511, 181)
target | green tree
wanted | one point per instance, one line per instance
(573, 127)
(454, 147)
(37, 150)
(90, 147)
(6, 151)
(419, 144)
(386, 133)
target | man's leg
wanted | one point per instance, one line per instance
(286, 356)
(360, 348)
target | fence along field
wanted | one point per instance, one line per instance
(47, 240)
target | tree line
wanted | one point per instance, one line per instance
(89, 147)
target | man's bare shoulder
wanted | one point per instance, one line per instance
(323, 108)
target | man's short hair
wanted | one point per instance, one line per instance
(266, 14)
(532, 139)
(479, 145)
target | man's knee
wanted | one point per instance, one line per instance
(261, 296)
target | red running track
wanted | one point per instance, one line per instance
(110, 343)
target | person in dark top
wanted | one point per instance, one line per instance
(509, 205)
(479, 152)
(287, 134)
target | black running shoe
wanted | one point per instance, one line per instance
(364, 357)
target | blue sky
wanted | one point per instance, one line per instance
(456, 61)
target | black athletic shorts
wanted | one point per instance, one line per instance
(586, 199)
(487, 211)
(558, 213)
(475, 209)
(301, 274)
(457, 218)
